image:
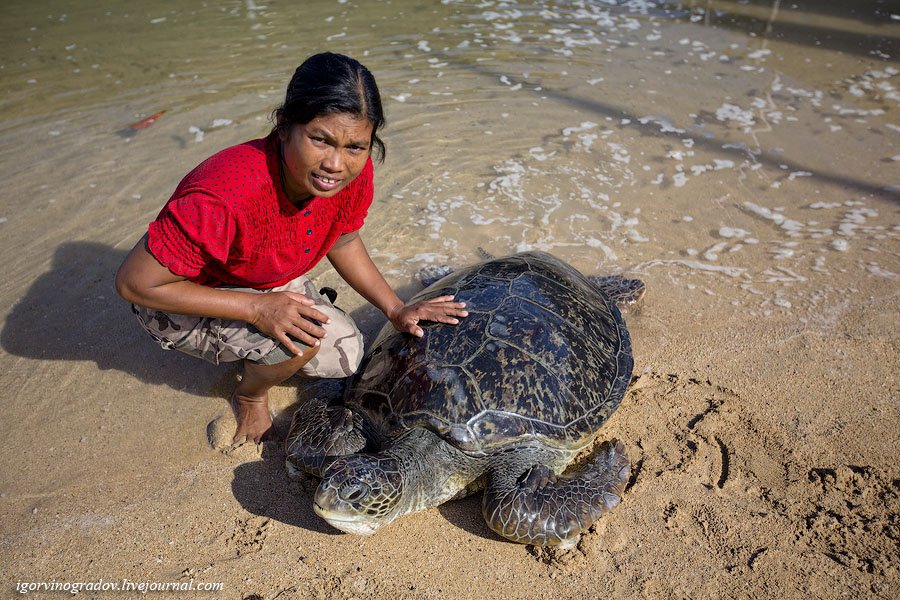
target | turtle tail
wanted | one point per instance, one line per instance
(537, 507)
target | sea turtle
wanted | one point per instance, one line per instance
(503, 401)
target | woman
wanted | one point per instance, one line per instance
(220, 272)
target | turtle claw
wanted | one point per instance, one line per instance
(569, 543)
(536, 478)
(611, 500)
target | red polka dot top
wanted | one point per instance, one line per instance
(229, 222)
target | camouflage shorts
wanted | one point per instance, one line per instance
(218, 340)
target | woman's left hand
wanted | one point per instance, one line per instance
(443, 309)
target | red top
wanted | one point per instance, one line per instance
(229, 223)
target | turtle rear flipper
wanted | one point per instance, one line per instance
(621, 290)
(319, 435)
(537, 507)
(432, 273)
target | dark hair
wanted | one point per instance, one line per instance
(331, 83)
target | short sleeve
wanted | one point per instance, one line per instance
(355, 211)
(192, 231)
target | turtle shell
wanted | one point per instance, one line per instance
(543, 354)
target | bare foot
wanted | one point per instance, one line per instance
(252, 416)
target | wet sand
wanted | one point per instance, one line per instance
(757, 198)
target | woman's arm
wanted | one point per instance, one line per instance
(143, 280)
(352, 262)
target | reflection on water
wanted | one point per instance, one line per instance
(747, 149)
(776, 18)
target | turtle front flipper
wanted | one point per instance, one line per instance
(537, 507)
(319, 435)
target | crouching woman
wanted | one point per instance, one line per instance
(220, 273)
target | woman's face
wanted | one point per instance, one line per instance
(324, 155)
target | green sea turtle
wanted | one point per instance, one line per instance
(501, 402)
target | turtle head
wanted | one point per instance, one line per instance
(360, 493)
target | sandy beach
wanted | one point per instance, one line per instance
(746, 170)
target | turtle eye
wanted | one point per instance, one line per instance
(352, 492)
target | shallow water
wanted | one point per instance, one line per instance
(746, 151)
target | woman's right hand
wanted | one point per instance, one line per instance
(286, 315)
(143, 280)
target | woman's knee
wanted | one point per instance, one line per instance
(340, 354)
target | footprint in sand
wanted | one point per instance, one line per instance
(220, 431)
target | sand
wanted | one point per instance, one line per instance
(764, 464)
(750, 181)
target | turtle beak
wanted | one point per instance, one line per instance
(340, 514)
(328, 504)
